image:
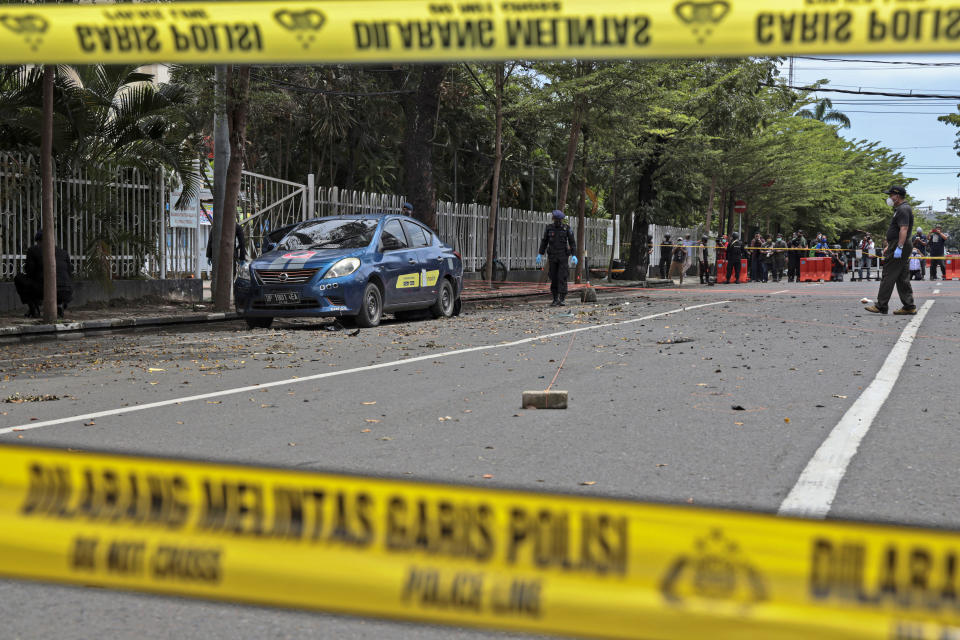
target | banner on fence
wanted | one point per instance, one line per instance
(442, 30)
(465, 555)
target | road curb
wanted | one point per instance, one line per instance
(67, 330)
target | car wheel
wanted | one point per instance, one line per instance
(259, 323)
(371, 307)
(444, 306)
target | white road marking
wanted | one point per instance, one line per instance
(815, 490)
(936, 291)
(331, 374)
(781, 291)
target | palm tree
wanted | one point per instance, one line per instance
(824, 112)
(109, 121)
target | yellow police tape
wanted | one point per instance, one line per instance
(442, 30)
(464, 555)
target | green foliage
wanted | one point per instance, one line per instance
(110, 121)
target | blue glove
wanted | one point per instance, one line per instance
(539, 261)
(573, 260)
(898, 252)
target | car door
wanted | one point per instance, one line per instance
(421, 240)
(399, 266)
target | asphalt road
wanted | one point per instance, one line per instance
(651, 416)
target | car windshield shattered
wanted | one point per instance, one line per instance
(330, 234)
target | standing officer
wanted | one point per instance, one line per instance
(703, 264)
(936, 242)
(559, 244)
(734, 255)
(896, 257)
(779, 259)
(666, 254)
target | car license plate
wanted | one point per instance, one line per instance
(287, 297)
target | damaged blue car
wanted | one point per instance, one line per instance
(355, 268)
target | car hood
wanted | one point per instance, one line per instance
(303, 259)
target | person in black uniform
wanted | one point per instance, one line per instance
(666, 255)
(239, 248)
(703, 264)
(29, 284)
(734, 255)
(896, 257)
(559, 244)
(936, 242)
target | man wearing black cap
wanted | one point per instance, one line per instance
(559, 245)
(896, 255)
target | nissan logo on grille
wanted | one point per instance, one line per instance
(284, 276)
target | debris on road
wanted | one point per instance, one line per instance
(18, 398)
(553, 399)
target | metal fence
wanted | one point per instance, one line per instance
(464, 227)
(119, 220)
(107, 220)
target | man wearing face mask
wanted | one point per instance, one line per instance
(779, 257)
(896, 268)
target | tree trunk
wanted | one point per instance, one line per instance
(420, 109)
(579, 109)
(497, 163)
(709, 219)
(221, 158)
(238, 92)
(581, 212)
(646, 193)
(581, 208)
(48, 244)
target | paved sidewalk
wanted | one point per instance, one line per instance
(120, 315)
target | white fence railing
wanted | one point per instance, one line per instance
(464, 227)
(124, 215)
(114, 217)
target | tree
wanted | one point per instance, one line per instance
(46, 178)
(107, 120)
(237, 108)
(824, 112)
(420, 113)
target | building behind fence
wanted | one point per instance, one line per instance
(129, 205)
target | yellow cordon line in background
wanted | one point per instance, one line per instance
(441, 30)
(464, 555)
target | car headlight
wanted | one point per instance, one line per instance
(244, 273)
(342, 268)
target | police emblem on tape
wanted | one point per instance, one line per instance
(701, 17)
(716, 571)
(31, 26)
(303, 23)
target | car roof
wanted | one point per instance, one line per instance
(364, 216)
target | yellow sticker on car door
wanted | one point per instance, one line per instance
(408, 281)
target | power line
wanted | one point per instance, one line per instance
(864, 93)
(901, 62)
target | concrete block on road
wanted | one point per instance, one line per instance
(544, 399)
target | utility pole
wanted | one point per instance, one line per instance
(221, 158)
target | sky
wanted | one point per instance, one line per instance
(906, 125)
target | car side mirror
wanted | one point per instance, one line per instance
(269, 246)
(389, 245)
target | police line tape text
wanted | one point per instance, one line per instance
(585, 541)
